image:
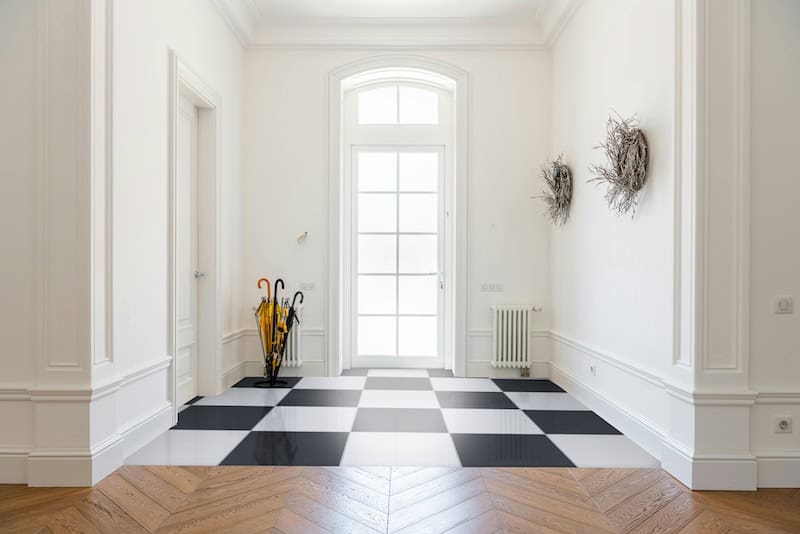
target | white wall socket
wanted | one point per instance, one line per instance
(782, 424)
(783, 304)
(307, 286)
(493, 287)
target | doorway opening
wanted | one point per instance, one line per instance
(398, 240)
(194, 289)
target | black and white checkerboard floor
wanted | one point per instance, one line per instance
(391, 418)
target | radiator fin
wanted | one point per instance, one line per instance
(510, 344)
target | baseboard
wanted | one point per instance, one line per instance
(644, 433)
(13, 466)
(146, 429)
(779, 470)
(309, 368)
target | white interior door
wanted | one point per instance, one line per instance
(187, 251)
(398, 256)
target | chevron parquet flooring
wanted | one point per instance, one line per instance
(399, 499)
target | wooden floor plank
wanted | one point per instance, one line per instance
(435, 503)
(671, 518)
(136, 504)
(636, 510)
(284, 500)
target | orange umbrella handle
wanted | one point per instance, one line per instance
(269, 292)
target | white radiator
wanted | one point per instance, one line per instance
(510, 327)
(291, 356)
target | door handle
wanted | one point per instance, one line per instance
(198, 274)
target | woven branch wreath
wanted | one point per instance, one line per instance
(626, 171)
(558, 193)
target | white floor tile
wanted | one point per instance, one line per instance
(526, 400)
(400, 449)
(464, 384)
(332, 382)
(246, 397)
(308, 419)
(390, 398)
(188, 447)
(603, 451)
(460, 421)
(419, 373)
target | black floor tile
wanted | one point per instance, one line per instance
(508, 450)
(440, 373)
(220, 417)
(490, 400)
(525, 384)
(570, 422)
(288, 448)
(321, 397)
(248, 382)
(390, 382)
(399, 420)
(192, 401)
(356, 371)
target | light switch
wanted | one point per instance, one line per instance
(783, 304)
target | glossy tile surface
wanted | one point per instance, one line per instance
(399, 420)
(334, 382)
(463, 384)
(288, 448)
(617, 451)
(220, 417)
(509, 450)
(474, 399)
(397, 383)
(188, 447)
(526, 400)
(570, 422)
(406, 448)
(245, 397)
(379, 398)
(321, 397)
(407, 373)
(471, 421)
(393, 417)
(308, 419)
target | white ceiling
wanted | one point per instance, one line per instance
(388, 9)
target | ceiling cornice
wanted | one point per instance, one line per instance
(253, 30)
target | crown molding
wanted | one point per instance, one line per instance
(555, 19)
(256, 31)
(240, 16)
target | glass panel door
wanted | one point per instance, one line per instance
(398, 254)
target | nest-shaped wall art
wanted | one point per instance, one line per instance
(558, 193)
(626, 170)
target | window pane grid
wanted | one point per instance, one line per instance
(414, 334)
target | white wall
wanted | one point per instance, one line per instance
(775, 223)
(286, 172)
(70, 410)
(611, 277)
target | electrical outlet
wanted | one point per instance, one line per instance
(493, 287)
(783, 304)
(593, 369)
(782, 424)
(307, 286)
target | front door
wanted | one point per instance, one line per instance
(398, 256)
(187, 251)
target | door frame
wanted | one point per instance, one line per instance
(335, 357)
(185, 81)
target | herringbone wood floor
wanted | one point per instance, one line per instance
(290, 499)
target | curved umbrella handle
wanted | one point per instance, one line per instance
(279, 280)
(269, 294)
(302, 297)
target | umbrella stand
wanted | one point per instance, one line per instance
(272, 340)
